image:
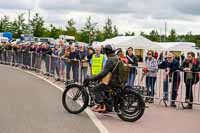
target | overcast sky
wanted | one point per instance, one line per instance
(128, 15)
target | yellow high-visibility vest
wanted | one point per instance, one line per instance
(97, 64)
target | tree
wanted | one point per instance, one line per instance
(99, 36)
(88, 33)
(172, 36)
(55, 32)
(144, 34)
(115, 33)
(130, 33)
(70, 28)
(37, 24)
(154, 36)
(5, 24)
(19, 27)
(108, 29)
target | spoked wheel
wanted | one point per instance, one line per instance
(131, 107)
(75, 99)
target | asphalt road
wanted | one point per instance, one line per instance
(30, 105)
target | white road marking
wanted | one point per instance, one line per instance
(92, 116)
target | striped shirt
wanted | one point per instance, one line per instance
(152, 67)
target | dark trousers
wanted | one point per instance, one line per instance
(55, 65)
(75, 70)
(46, 59)
(189, 92)
(0, 56)
(98, 91)
(68, 69)
(33, 59)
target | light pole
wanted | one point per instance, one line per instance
(29, 21)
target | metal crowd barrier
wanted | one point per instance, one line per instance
(169, 89)
(166, 89)
(61, 68)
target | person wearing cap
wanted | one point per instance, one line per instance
(97, 62)
(110, 66)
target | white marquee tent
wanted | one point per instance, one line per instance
(179, 46)
(137, 42)
(140, 42)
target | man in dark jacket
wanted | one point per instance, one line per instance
(191, 67)
(74, 63)
(171, 75)
(46, 53)
(110, 66)
(132, 63)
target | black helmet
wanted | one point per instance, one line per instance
(109, 49)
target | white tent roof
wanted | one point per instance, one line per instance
(178, 46)
(140, 42)
(137, 42)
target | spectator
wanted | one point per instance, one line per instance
(91, 51)
(67, 62)
(182, 57)
(26, 56)
(151, 74)
(132, 63)
(38, 57)
(98, 61)
(171, 75)
(33, 54)
(1, 53)
(55, 62)
(62, 60)
(155, 55)
(161, 57)
(74, 61)
(122, 57)
(83, 60)
(46, 53)
(190, 67)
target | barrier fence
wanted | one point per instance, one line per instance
(165, 88)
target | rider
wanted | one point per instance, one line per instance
(110, 66)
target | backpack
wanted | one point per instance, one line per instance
(123, 72)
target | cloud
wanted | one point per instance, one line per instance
(128, 15)
(17, 4)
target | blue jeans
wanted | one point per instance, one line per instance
(75, 70)
(150, 84)
(131, 79)
(83, 73)
(46, 58)
(175, 86)
(55, 65)
(68, 69)
(165, 87)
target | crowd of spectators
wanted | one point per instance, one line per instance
(76, 59)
